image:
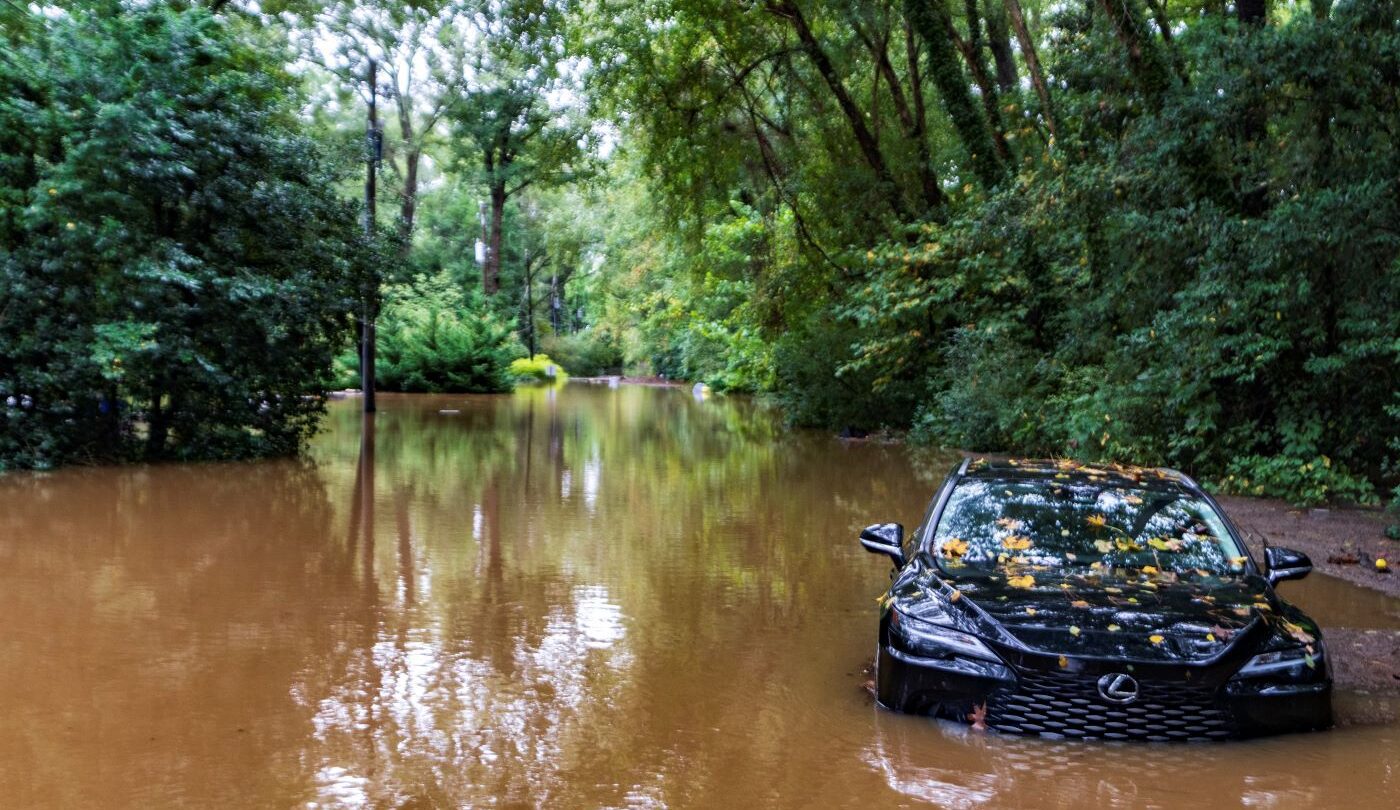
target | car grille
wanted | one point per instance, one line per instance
(1060, 705)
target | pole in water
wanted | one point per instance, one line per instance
(367, 340)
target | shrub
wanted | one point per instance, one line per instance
(433, 339)
(590, 353)
(537, 369)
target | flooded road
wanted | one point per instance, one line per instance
(574, 598)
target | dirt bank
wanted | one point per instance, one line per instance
(1343, 543)
(1332, 537)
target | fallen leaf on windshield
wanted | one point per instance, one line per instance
(1017, 542)
(1079, 603)
(954, 547)
(1030, 611)
(1113, 628)
(1156, 639)
(955, 595)
(1023, 581)
(1010, 524)
(1064, 662)
(1126, 545)
(1104, 546)
(1150, 569)
(1164, 545)
(1133, 499)
(1097, 521)
(1073, 631)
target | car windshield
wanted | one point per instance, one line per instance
(991, 525)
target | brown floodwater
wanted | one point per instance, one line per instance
(585, 597)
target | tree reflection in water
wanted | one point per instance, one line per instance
(578, 597)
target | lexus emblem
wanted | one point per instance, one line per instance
(1116, 687)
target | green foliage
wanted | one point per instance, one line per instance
(1113, 306)
(538, 369)
(1201, 269)
(174, 270)
(590, 353)
(433, 338)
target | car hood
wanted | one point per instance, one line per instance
(1158, 618)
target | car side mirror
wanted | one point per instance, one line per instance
(885, 538)
(1285, 563)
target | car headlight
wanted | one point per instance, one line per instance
(936, 641)
(1293, 661)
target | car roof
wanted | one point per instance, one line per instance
(1044, 469)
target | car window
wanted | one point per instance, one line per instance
(990, 525)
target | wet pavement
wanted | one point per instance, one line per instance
(583, 597)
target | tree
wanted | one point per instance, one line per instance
(155, 299)
(502, 119)
(419, 52)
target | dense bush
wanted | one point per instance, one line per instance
(433, 338)
(589, 353)
(1180, 248)
(174, 269)
(1142, 301)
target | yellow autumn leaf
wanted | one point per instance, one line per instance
(1023, 581)
(955, 595)
(1010, 524)
(1103, 546)
(1097, 521)
(1079, 603)
(1156, 639)
(1030, 611)
(1017, 542)
(1113, 628)
(1073, 631)
(954, 547)
(1064, 662)
(1150, 569)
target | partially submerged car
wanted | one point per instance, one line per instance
(1076, 601)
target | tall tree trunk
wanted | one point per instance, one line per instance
(981, 74)
(491, 268)
(999, 42)
(912, 118)
(1254, 195)
(157, 425)
(1164, 25)
(413, 154)
(1028, 52)
(933, 194)
(1145, 60)
(408, 207)
(788, 10)
(933, 22)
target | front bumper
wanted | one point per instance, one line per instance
(1049, 701)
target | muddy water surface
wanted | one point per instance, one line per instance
(575, 598)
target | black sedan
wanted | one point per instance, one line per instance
(1075, 601)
